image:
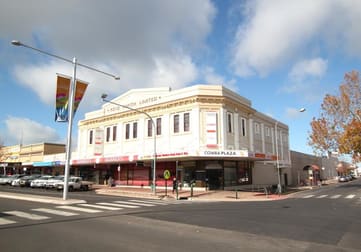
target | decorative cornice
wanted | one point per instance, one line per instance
(162, 107)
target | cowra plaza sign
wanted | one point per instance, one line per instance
(224, 153)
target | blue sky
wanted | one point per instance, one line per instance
(282, 55)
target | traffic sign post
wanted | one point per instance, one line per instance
(166, 176)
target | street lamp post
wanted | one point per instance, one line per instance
(104, 96)
(279, 186)
(71, 106)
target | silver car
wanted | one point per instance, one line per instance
(52, 181)
(9, 179)
(40, 182)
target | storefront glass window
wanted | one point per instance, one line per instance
(244, 172)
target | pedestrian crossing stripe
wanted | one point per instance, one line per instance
(4, 221)
(87, 208)
(308, 196)
(133, 203)
(118, 205)
(351, 196)
(158, 202)
(54, 211)
(101, 207)
(149, 201)
(80, 209)
(27, 215)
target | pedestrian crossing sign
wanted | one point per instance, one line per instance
(166, 174)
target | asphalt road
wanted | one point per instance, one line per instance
(323, 219)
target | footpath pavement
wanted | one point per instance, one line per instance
(211, 195)
(162, 194)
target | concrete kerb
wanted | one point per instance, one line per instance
(40, 199)
(220, 196)
(229, 196)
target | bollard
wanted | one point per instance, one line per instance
(266, 191)
(236, 193)
(191, 189)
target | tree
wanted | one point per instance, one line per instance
(339, 126)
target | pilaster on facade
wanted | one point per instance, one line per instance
(236, 131)
(223, 129)
(251, 135)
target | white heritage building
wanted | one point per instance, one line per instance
(205, 134)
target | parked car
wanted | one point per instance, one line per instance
(4, 180)
(50, 183)
(343, 179)
(9, 179)
(349, 177)
(75, 183)
(40, 182)
(26, 180)
(15, 182)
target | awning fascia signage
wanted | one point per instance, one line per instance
(223, 153)
(49, 163)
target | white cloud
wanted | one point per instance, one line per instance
(294, 112)
(276, 32)
(211, 77)
(304, 79)
(309, 68)
(173, 73)
(147, 44)
(41, 79)
(26, 131)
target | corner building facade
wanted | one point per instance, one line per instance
(204, 134)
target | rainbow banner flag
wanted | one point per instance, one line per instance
(62, 96)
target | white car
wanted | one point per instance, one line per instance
(50, 183)
(4, 180)
(15, 182)
(75, 183)
(9, 179)
(40, 182)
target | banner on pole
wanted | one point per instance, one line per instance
(62, 96)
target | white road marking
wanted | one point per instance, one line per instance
(336, 196)
(322, 196)
(27, 215)
(80, 209)
(133, 203)
(308, 196)
(158, 202)
(101, 207)
(351, 196)
(4, 221)
(117, 205)
(149, 202)
(54, 211)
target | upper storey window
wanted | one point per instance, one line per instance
(181, 122)
(257, 128)
(229, 123)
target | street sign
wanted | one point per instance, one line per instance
(166, 174)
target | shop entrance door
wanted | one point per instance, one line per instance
(215, 179)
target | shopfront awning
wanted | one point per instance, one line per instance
(49, 163)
